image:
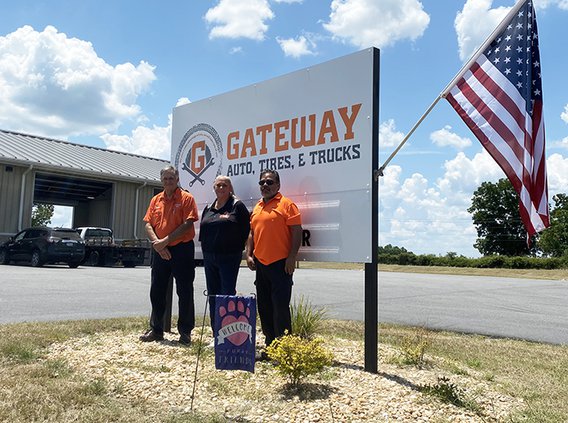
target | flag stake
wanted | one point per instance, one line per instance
(199, 347)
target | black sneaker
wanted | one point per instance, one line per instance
(185, 338)
(151, 336)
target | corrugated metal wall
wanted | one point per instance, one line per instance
(10, 180)
(127, 215)
(123, 209)
(145, 196)
(10, 192)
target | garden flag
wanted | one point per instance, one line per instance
(499, 97)
(235, 332)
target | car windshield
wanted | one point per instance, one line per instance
(65, 234)
(98, 233)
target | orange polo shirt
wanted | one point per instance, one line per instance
(166, 214)
(270, 224)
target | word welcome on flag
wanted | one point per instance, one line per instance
(235, 332)
(499, 97)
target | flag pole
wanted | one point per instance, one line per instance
(460, 74)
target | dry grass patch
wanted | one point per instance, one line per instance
(95, 371)
(534, 372)
(552, 274)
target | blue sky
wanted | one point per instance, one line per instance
(108, 74)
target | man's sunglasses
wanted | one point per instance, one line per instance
(266, 182)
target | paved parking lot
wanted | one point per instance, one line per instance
(56, 292)
(505, 307)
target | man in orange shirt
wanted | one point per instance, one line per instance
(169, 224)
(272, 247)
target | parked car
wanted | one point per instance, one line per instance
(39, 246)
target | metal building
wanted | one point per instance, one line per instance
(106, 188)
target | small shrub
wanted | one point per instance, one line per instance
(446, 391)
(306, 318)
(413, 347)
(449, 392)
(95, 387)
(297, 357)
(474, 363)
(57, 368)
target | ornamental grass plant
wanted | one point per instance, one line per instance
(307, 319)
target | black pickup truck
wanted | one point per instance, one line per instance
(102, 250)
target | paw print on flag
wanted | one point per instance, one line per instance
(235, 327)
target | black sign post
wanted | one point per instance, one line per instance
(371, 269)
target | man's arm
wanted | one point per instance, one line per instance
(296, 233)
(249, 251)
(163, 251)
(160, 244)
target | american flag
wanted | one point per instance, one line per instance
(499, 98)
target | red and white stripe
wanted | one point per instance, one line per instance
(495, 111)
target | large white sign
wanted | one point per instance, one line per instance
(315, 127)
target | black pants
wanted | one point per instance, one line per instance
(273, 294)
(182, 267)
(221, 271)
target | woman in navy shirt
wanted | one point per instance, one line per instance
(225, 226)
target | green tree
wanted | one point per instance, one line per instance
(496, 216)
(553, 240)
(42, 214)
(392, 249)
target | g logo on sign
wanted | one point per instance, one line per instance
(200, 150)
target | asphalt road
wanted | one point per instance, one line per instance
(504, 307)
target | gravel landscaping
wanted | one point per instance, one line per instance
(163, 374)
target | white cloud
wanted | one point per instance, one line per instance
(388, 135)
(366, 23)
(239, 19)
(415, 215)
(564, 114)
(557, 168)
(58, 86)
(62, 217)
(182, 100)
(464, 175)
(563, 143)
(444, 138)
(475, 23)
(151, 142)
(543, 4)
(477, 20)
(431, 217)
(296, 48)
